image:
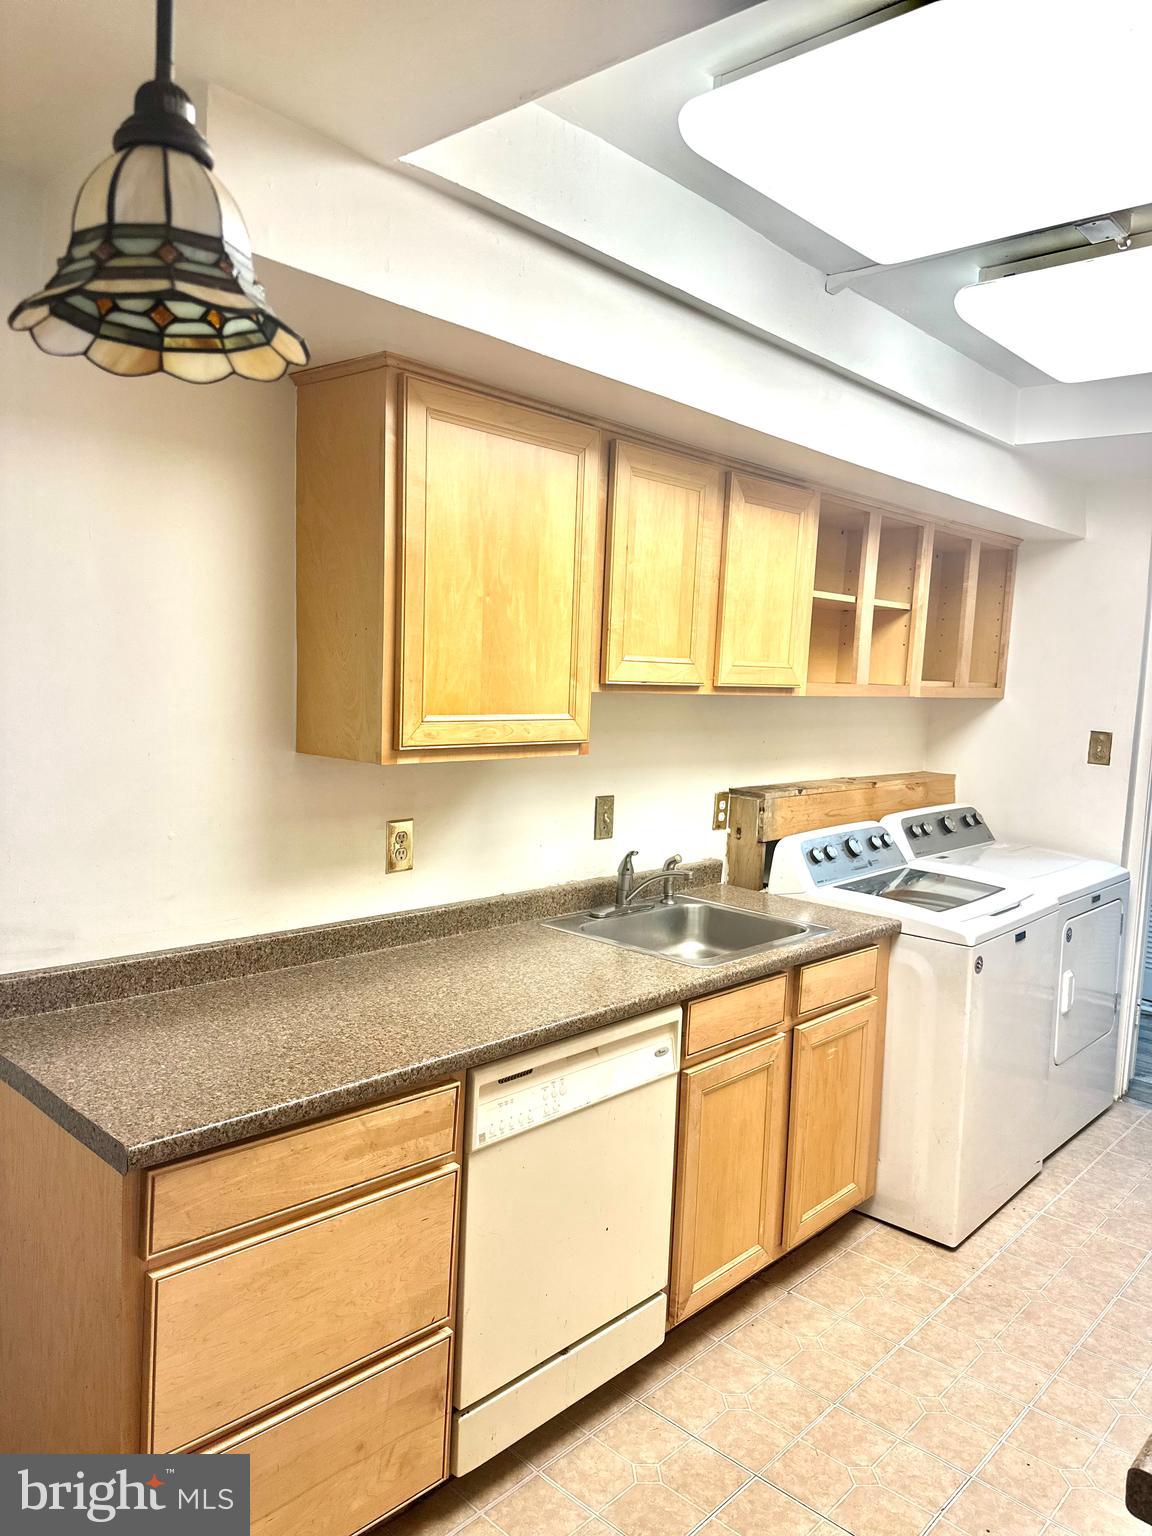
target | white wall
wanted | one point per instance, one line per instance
(1077, 642)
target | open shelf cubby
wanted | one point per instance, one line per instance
(993, 578)
(942, 635)
(897, 556)
(839, 556)
(840, 550)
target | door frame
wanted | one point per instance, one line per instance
(1137, 857)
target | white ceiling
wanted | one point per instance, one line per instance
(383, 76)
(635, 105)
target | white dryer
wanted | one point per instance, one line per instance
(970, 998)
(1092, 900)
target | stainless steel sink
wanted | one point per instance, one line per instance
(689, 931)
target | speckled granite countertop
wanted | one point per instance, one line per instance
(143, 1080)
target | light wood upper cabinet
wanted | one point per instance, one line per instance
(498, 565)
(663, 555)
(832, 1145)
(766, 584)
(730, 1180)
(456, 549)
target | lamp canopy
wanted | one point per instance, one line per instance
(158, 275)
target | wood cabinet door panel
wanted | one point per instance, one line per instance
(243, 1329)
(832, 1133)
(499, 540)
(349, 1457)
(663, 558)
(730, 1184)
(766, 575)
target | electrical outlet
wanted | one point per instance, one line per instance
(1100, 748)
(401, 847)
(605, 820)
(720, 811)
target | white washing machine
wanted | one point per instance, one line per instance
(970, 997)
(1092, 900)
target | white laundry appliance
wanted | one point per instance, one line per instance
(569, 1153)
(1092, 900)
(970, 997)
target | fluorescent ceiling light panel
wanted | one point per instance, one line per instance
(946, 127)
(1089, 319)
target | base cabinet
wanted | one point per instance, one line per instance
(733, 1128)
(832, 1135)
(778, 1134)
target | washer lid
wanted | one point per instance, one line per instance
(1011, 861)
(932, 891)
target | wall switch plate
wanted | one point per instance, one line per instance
(605, 821)
(720, 811)
(401, 847)
(1100, 747)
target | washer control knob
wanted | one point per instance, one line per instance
(968, 819)
(948, 823)
(977, 818)
(854, 846)
(876, 840)
(925, 829)
(831, 851)
(915, 829)
(886, 839)
(816, 855)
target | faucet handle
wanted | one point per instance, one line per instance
(672, 862)
(626, 866)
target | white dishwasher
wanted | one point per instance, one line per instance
(569, 1155)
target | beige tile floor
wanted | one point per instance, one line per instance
(876, 1384)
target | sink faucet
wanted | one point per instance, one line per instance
(627, 890)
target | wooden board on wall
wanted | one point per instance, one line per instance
(764, 813)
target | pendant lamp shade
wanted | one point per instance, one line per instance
(158, 274)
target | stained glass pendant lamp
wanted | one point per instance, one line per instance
(158, 274)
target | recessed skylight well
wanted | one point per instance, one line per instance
(962, 122)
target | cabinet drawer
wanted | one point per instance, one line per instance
(830, 982)
(228, 1189)
(237, 1331)
(350, 1456)
(732, 1015)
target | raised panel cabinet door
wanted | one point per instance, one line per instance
(766, 578)
(832, 1134)
(665, 514)
(730, 1184)
(499, 539)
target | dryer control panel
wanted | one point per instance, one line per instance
(945, 829)
(847, 852)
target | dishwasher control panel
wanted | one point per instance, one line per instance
(523, 1092)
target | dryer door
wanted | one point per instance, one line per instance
(1088, 994)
